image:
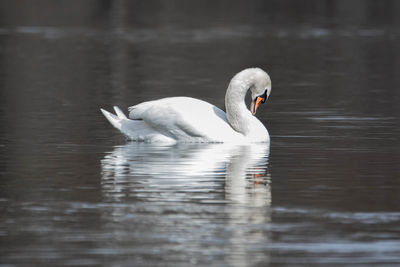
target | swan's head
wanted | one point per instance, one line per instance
(260, 88)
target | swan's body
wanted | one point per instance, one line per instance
(185, 119)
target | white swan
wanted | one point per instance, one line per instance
(185, 119)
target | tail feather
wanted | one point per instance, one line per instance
(136, 130)
(114, 120)
(119, 113)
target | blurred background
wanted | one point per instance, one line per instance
(332, 170)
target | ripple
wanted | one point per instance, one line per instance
(175, 34)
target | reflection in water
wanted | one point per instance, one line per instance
(188, 167)
(230, 183)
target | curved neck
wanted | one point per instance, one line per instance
(237, 113)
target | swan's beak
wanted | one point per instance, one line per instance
(256, 103)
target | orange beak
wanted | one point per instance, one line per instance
(256, 103)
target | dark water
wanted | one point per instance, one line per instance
(73, 192)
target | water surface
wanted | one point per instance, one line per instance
(326, 190)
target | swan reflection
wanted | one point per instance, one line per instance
(205, 186)
(239, 172)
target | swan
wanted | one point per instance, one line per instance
(186, 119)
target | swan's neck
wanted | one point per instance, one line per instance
(237, 113)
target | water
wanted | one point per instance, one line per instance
(74, 192)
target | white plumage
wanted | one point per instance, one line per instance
(186, 119)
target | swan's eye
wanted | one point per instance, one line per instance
(264, 97)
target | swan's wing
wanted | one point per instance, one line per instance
(134, 129)
(184, 118)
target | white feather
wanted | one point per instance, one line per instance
(185, 119)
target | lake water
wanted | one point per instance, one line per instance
(74, 192)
